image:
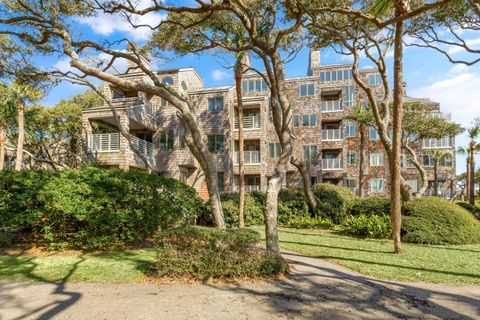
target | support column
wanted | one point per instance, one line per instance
(86, 134)
(124, 145)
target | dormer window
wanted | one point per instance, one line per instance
(167, 80)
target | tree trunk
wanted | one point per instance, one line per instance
(471, 196)
(241, 153)
(435, 178)
(395, 202)
(307, 185)
(361, 159)
(420, 169)
(2, 149)
(21, 134)
(467, 178)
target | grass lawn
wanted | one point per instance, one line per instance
(437, 264)
(122, 266)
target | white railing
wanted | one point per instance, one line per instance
(437, 114)
(442, 192)
(248, 187)
(145, 147)
(250, 157)
(445, 142)
(331, 134)
(249, 122)
(331, 105)
(353, 189)
(104, 142)
(150, 109)
(332, 164)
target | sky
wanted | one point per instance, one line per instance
(428, 74)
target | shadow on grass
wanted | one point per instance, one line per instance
(333, 247)
(26, 265)
(318, 290)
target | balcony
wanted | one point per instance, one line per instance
(250, 157)
(437, 114)
(332, 164)
(248, 188)
(331, 134)
(442, 192)
(144, 147)
(249, 122)
(443, 143)
(105, 142)
(331, 106)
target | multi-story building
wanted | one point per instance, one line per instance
(327, 143)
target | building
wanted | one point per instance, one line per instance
(323, 139)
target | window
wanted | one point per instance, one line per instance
(216, 143)
(428, 160)
(376, 159)
(445, 162)
(413, 185)
(274, 150)
(181, 138)
(163, 102)
(167, 80)
(307, 90)
(406, 161)
(339, 75)
(351, 157)
(309, 153)
(254, 85)
(374, 79)
(296, 120)
(349, 96)
(373, 134)
(376, 185)
(220, 181)
(445, 142)
(309, 120)
(352, 185)
(166, 140)
(215, 104)
(313, 180)
(350, 129)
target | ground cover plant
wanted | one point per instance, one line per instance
(90, 209)
(201, 253)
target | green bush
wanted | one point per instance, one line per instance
(93, 208)
(307, 222)
(433, 220)
(371, 226)
(473, 209)
(334, 202)
(201, 252)
(374, 205)
(253, 212)
(291, 205)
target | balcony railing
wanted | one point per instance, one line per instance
(331, 134)
(332, 164)
(446, 116)
(445, 142)
(331, 105)
(249, 122)
(248, 188)
(442, 192)
(250, 157)
(105, 142)
(145, 147)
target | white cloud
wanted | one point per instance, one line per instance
(458, 68)
(460, 96)
(101, 60)
(219, 75)
(472, 43)
(106, 24)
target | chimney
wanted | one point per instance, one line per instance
(404, 88)
(132, 66)
(246, 61)
(313, 61)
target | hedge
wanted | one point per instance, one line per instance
(368, 226)
(334, 202)
(433, 220)
(201, 253)
(92, 208)
(373, 205)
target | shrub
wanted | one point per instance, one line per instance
(371, 226)
(473, 209)
(432, 220)
(201, 252)
(374, 205)
(93, 208)
(307, 222)
(253, 211)
(334, 202)
(291, 205)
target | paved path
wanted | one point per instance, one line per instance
(316, 289)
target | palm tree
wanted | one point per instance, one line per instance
(438, 155)
(466, 151)
(14, 97)
(473, 134)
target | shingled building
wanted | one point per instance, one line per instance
(327, 143)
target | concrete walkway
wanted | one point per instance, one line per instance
(316, 289)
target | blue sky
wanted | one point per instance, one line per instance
(427, 73)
